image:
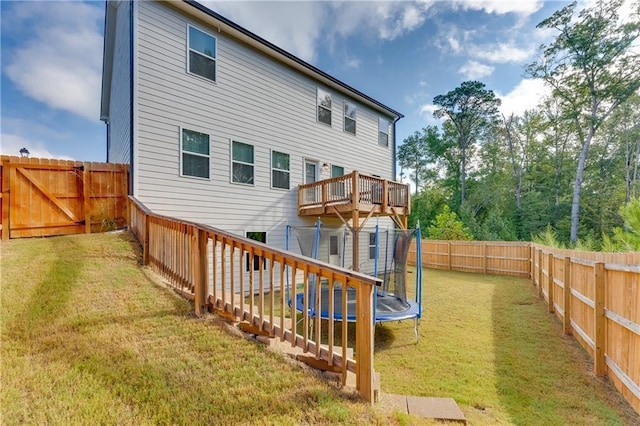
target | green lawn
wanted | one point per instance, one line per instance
(488, 342)
(87, 338)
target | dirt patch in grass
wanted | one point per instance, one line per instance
(87, 338)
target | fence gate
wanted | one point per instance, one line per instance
(42, 197)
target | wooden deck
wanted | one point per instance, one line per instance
(354, 193)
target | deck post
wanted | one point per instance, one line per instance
(364, 341)
(355, 190)
(201, 275)
(355, 258)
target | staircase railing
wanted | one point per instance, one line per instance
(253, 282)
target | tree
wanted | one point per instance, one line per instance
(447, 226)
(416, 153)
(592, 69)
(470, 108)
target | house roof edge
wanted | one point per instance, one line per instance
(288, 58)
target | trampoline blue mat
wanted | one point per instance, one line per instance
(388, 307)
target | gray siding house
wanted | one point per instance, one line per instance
(220, 127)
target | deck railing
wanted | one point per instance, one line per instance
(246, 279)
(355, 189)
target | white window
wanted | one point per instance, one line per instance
(372, 245)
(349, 117)
(337, 188)
(324, 107)
(241, 163)
(201, 55)
(261, 237)
(383, 131)
(280, 170)
(194, 153)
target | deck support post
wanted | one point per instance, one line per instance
(364, 341)
(355, 218)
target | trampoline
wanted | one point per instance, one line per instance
(389, 254)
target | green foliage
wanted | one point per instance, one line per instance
(628, 238)
(592, 68)
(447, 226)
(425, 206)
(547, 237)
(587, 243)
(417, 152)
(497, 228)
(470, 109)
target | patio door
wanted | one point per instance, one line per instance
(312, 195)
(310, 171)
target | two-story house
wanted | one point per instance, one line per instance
(220, 126)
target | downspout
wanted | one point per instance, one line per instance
(394, 167)
(131, 98)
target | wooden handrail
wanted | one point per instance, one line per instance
(354, 188)
(219, 270)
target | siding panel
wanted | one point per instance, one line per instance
(256, 101)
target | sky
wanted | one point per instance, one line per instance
(400, 53)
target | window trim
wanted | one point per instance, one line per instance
(346, 117)
(242, 162)
(279, 170)
(189, 49)
(256, 258)
(330, 123)
(373, 246)
(385, 132)
(316, 163)
(197, 154)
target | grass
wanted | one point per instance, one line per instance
(488, 342)
(87, 338)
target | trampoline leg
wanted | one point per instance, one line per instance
(415, 329)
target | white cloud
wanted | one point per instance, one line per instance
(426, 113)
(301, 27)
(501, 7)
(12, 144)
(294, 26)
(473, 70)
(59, 59)
(501, 52)
(353, 63)
(525, 96)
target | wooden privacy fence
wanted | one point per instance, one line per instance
(486, 257)
(42, 197)
(595, 295)
(245, 279)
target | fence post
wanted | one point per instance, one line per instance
(200, 273)
(566, 321)
(449, 253)
(550, 284)
(146, 238)
(599, 365)
(540, 273)
(364, 341)
(5, 199)
(86, 195)
(532, 264)
(484, 253)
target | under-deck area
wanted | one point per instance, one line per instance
(357, 193)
